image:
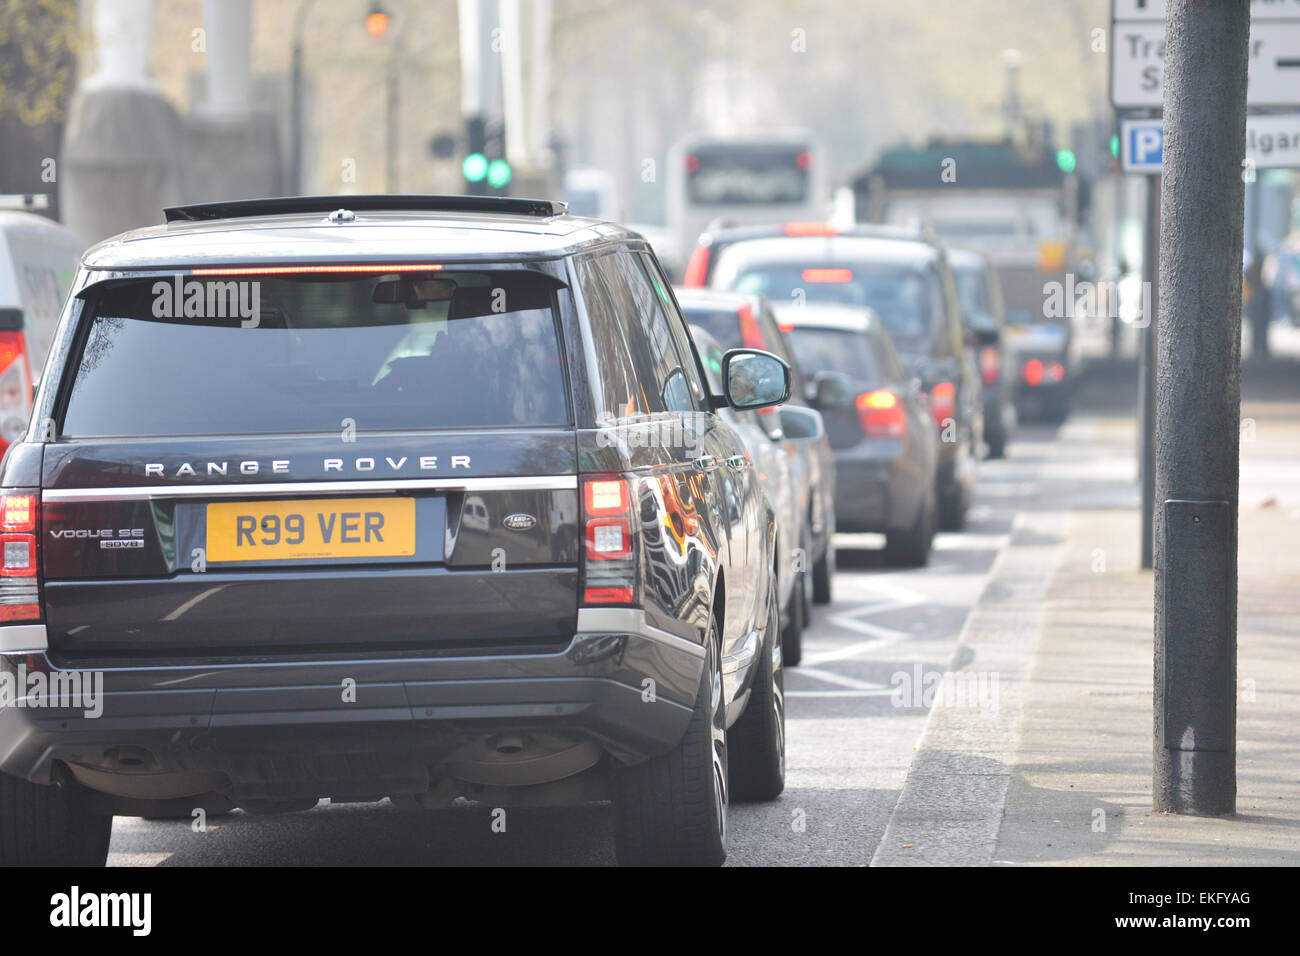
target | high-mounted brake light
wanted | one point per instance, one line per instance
(810, 229)
(881, 414)
(697, 269)
(804, 160)
(375, 269)
(827, 275)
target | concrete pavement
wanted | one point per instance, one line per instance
(1058, 770)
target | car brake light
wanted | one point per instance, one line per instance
(1056, 371)
(881, 414)
(827, 275)
(1034, 372)
(609, 566)
(15, 387)
(19, 558)
(751, 336)
(943, 402)
(990, 364)
(697, 268)
(810, 229)
(804, 160)
(377, 268)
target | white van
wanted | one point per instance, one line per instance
(38, 259)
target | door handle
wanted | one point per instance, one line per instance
(737, 462)
(706, 463)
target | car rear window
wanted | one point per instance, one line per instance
(269, 354)
(903, 298)
(722, 324)
(834, 350)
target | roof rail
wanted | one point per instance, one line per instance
(244, 208)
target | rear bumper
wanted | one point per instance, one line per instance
(874, 493)
(361, 729)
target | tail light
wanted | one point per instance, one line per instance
(19, 594)
(990, 364)
(881, 414)
(697, 268)
(943, 402)
(15, 387)
(1036, 372)
(609, 571)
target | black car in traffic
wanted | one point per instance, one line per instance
(422, 498)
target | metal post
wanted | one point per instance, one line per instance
(391, 137)
(1147, 369)
(1198, 406)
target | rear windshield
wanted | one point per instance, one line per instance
(904, 299)
(834, 350)
(722, 324)
(270, 354)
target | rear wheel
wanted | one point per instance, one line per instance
(757, 739)
(671, 810)
(50, 825)
(911, 548)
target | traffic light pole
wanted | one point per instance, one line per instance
(1198, 406)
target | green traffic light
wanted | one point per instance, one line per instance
(1065, 160)
(498, 173)
(475, 167)
(1114, 145)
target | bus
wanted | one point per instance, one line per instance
(752, 179)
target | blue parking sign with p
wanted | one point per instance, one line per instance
(1143, 145)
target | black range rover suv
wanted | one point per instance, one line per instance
(425, 498)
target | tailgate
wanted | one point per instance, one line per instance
(290, 548)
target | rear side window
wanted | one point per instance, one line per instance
(274, 354)
(835, 350)
(640, 369)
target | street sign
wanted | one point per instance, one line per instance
(1141, 145)
(1272, 142)
(1137, 54)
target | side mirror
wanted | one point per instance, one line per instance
(754, 379)
(833, 390)
(801, 423)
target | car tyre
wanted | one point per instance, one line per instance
(757, 738)
(910, 548)
(50, 825)
(671, 810)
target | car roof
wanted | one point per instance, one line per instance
(822, 315)
(382, 229)
(832, 250)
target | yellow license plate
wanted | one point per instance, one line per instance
(295, 530)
